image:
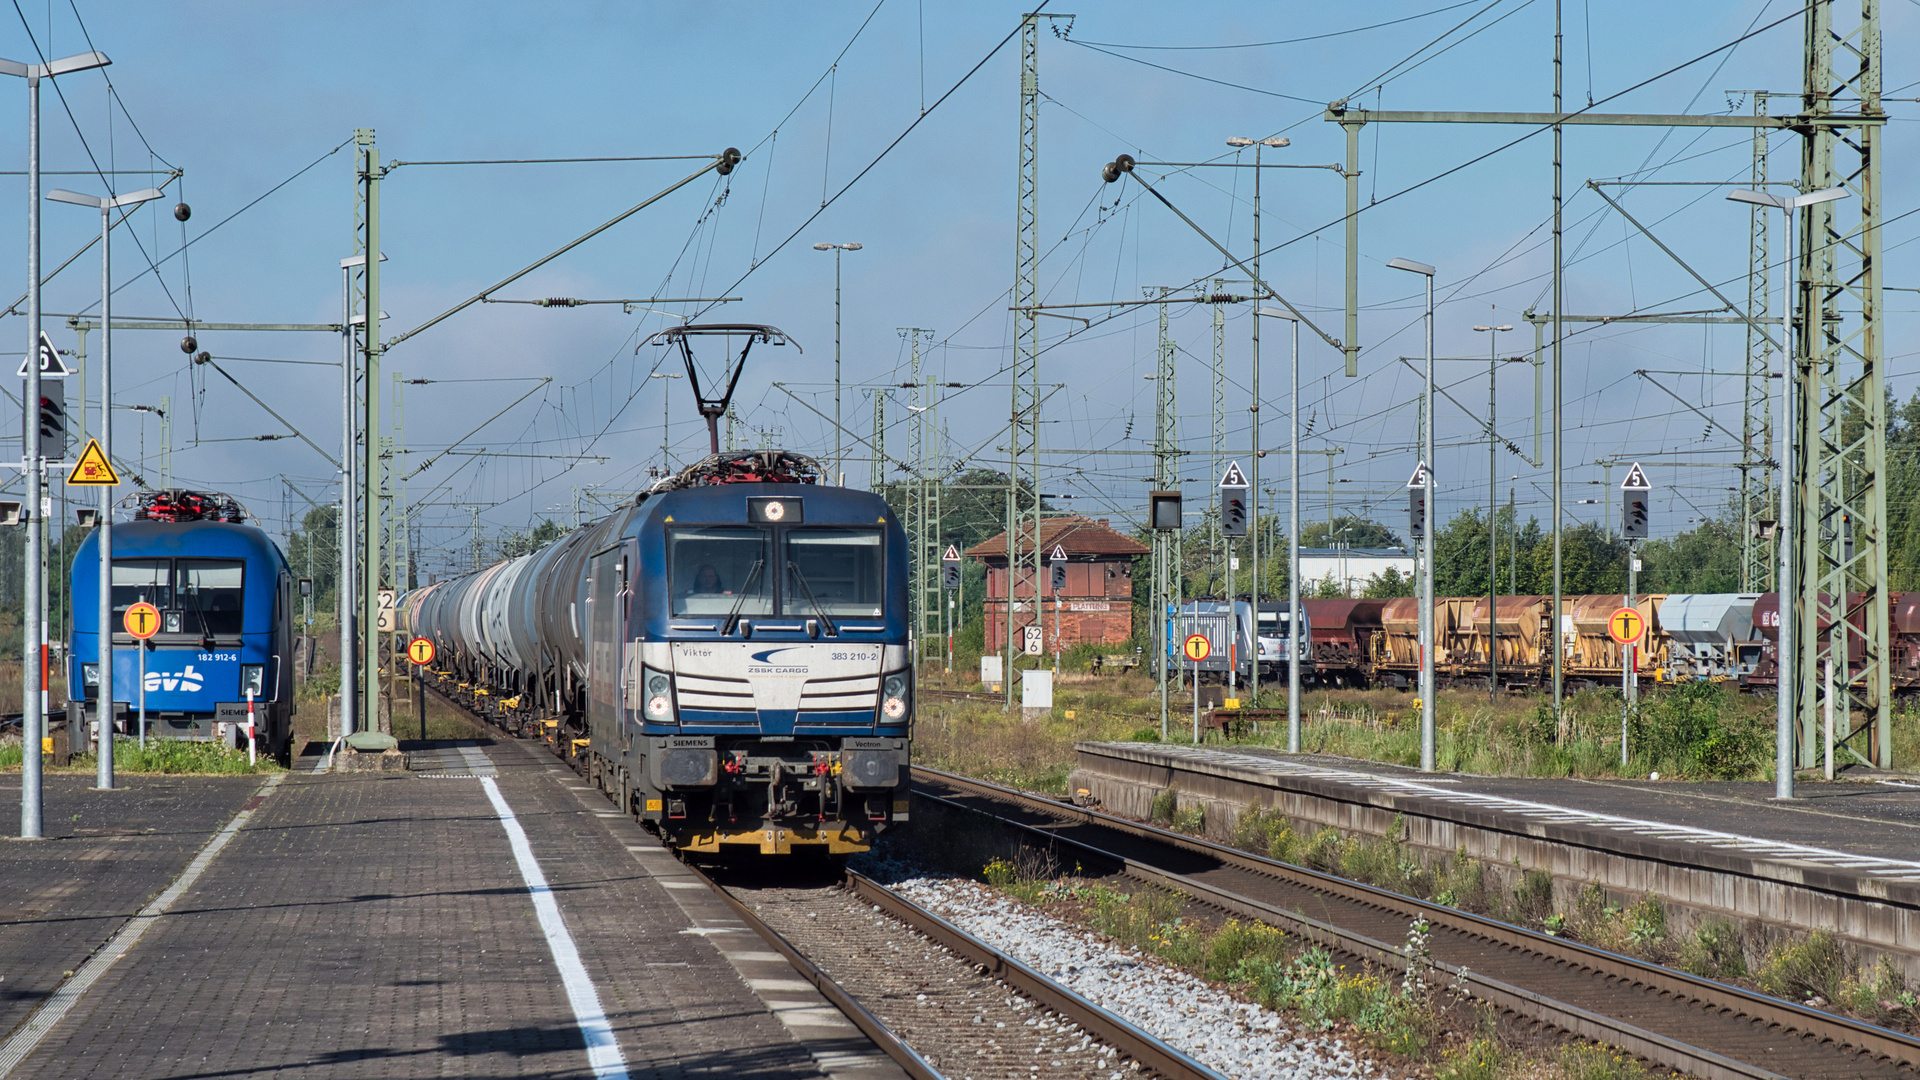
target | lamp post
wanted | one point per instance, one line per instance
(1426, 538)
(666, 404)
(103, 778)
(1493, 544)
(1238, 142)
(838, 465)
(1293, 537)
(1789, 370)
(33, 716)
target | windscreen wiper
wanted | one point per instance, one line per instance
(825, 619)
(733, 616)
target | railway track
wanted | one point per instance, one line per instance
(1666, 1017)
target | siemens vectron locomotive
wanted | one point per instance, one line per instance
(225, 598)
(727, 657)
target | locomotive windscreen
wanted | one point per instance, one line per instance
(840, 566)
(714, 567)
(195, 596)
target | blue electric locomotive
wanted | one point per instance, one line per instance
(225, 597)
(728, 657)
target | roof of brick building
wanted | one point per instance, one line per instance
(1080, 536)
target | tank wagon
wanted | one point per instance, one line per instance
(225, 643)
(727, 657)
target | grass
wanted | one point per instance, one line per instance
(175, 757)
(1817, 968)
(1696, 731)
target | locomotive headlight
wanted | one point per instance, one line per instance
(90, 674)
(253, 680)
(659, 687)
(893, 704)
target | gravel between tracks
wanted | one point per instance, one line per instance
(968, 1026)
(1233, 1037)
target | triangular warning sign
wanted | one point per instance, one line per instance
(93, 469)
(1233, 477)
(952, 555)
(51, 366)
(1419, 478)
(1636, 480)
(1059, 553)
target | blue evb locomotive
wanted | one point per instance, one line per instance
(727, 656)
(226, 624)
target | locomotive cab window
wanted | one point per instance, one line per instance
(840, 567)
(715, 567)
(211, 594)
(137, 580)
(195, 596)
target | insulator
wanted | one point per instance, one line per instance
(558, 301)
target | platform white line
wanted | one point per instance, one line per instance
(68, 994)
(603, 1051)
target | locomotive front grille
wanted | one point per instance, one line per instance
(712, 693)
(840, 695)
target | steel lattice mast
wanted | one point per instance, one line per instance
(1839, 352)
(1023, 506)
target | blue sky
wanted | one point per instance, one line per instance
(243, 97)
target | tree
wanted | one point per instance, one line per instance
(1387, 585)
(514, 545)
(1348, 531)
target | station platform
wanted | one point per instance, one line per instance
(1843, 856)
(484, 915)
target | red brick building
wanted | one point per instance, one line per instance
(1095, 606)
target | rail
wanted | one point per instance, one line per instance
(1695, 1025)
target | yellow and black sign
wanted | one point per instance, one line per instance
(142, 619)
(1198, 647)
(93, 469)
(1626, 625)
(420, 651)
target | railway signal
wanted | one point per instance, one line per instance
(1057, 564)
(1233, 501)
(53, 415)
(1634, 492)
(950, 569)
(1163, 511)
(1417, 485)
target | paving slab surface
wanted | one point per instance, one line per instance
(378, 925)
(104, 855)
(1874, 814)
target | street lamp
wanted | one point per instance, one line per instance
(1239, 142)
(1789, 369)
(103, 777)
(666, 404)
(1493, 546)
(838, 464)
(33, 714)
(1293, 536)
(1426, 538)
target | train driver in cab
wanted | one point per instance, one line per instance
(706, 582)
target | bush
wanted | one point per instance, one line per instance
(1814, 966)
(1690, 729)
(1713, 952)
